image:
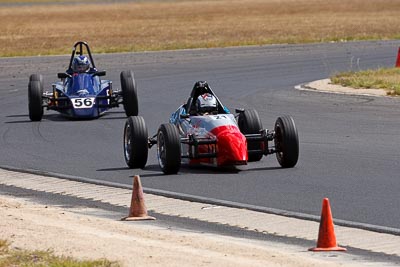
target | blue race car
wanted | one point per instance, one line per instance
(81, 93)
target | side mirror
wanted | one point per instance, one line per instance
(99, 73)
(63, 75)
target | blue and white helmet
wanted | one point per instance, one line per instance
(80, 64)
(206, 103)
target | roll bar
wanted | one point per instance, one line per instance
(78, 50)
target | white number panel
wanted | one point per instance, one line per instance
(86, 102)
(219, 117)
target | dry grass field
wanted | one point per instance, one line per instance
(384, 78)
(153, 25)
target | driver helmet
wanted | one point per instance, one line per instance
(80, 64)
(206, 103)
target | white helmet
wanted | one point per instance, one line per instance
(206, 103)
(80, 64)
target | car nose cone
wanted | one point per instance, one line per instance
(231, 146)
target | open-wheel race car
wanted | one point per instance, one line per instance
(81, 93)
(203, 131)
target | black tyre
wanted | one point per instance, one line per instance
(135, 142)
(169, 148)
(129, 93)
(286, 142)
(35, 97)
(36, 77)
(249, 123)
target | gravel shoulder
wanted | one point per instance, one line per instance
(40, 227)
(72, 227)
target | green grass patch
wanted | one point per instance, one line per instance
(383, 78)
(16, 257)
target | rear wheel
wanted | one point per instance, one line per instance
(135, 142)
(169, 148)
(35, 97)
(249, 123)
(129, 93)
(286, 142)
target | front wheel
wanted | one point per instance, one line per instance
(286, 142)
(249, 123)
(135, 142)
(129, 93)
(35, 97)
(169, 148)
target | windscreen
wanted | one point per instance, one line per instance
(82, 84)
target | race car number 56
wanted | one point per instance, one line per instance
(83, 102)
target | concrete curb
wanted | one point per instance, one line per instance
(242, 218)
(325, 86)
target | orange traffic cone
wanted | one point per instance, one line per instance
(398, 59)
(326, 236)
(138, 209)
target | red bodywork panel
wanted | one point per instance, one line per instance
(231, 147)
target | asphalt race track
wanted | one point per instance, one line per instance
(349, 145)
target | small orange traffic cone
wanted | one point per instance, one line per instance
(398, 59)
(326, 236)
(138, 209)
